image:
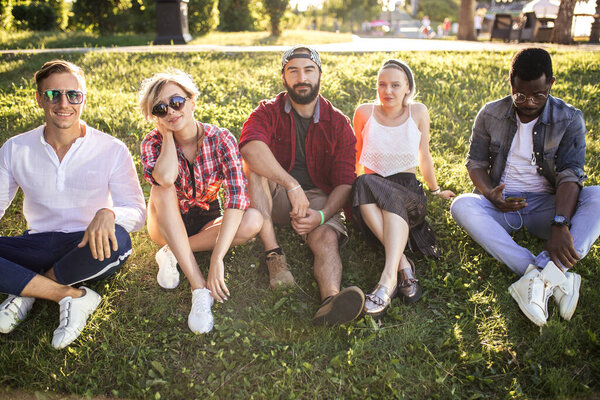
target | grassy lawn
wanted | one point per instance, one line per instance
(54, 40)
(466, 338)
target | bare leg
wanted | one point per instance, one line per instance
(249, 227)
(323, 242)
(44, 288)
(391, 230)
(166, 226)
(260, 198)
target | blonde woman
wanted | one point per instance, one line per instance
(187, 162)
(388, 201)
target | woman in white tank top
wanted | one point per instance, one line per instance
(388, 201)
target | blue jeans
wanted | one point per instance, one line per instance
(22, 257)
(491, 228)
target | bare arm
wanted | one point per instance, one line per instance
(425, 160)
(166, 168)
(483, 183)
(560, 245)
(335, 201)
(360, 118)
(261, 160)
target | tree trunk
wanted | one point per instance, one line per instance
(595, 34)
(564, 20)
(466, 26)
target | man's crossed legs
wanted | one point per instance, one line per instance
(45, 265)
(491, 228)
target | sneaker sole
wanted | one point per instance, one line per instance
(515, 295)
(345, 307)
(570, 308)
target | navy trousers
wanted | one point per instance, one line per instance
(22, 257)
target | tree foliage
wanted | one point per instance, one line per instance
(354, 11)
(275, 10)
(203, 16)
(235, 16)
(99, 15)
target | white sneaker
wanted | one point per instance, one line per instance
(168, 275)
(566, 295)
(201, 319)
(73, 316)
(14, 310)
(533, 290)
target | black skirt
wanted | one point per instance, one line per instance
(401, 194)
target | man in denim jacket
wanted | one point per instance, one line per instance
(526, 161)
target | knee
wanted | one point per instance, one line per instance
(161, 195)
(462, 207)
(251, 223)
(123, 239)
(590, 196)
(322, 238)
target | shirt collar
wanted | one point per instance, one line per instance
(77, 141)
(316, 116)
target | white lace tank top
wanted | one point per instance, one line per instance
(388, 150)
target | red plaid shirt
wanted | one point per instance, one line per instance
(330, 140)
(218, 162)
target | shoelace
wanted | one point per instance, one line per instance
(201, 303)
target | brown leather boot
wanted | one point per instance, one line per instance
(279, 271)
(408, 285)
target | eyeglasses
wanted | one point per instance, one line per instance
(520, 98)
(53, 96)
(175, 102)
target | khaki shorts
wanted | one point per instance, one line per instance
(317, 198)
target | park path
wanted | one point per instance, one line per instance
(357, 45)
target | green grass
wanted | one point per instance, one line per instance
(55, 40)
(466, 338)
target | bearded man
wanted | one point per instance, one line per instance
(299, 153)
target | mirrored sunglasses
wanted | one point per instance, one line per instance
(161, 109)
(53, 96)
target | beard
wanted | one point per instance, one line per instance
(306, 98)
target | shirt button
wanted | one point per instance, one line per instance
(535, 133)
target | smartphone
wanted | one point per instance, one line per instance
(515, 199)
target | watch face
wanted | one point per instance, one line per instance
(560, 220)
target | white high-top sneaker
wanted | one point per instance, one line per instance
(533, 290)
(566, 295)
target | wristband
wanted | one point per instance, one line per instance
(322, 217)
(294, 188)
(436, 191)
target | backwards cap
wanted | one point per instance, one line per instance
(290, 55)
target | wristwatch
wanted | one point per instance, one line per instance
(561, 220)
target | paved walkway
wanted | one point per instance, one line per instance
(358, 45)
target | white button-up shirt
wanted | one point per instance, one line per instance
(63, 196)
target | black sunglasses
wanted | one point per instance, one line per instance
(53, 96)
(175, 102)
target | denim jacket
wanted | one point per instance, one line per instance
(558, 141)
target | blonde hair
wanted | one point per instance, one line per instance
(151, 87)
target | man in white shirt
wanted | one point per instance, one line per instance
(82, 197)
(526, 160)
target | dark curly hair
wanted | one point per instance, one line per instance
(529, 64)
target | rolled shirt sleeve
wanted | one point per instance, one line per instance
(478, 156)
(234, 182)
(127, 196)
(150, 150)
(570, 157)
